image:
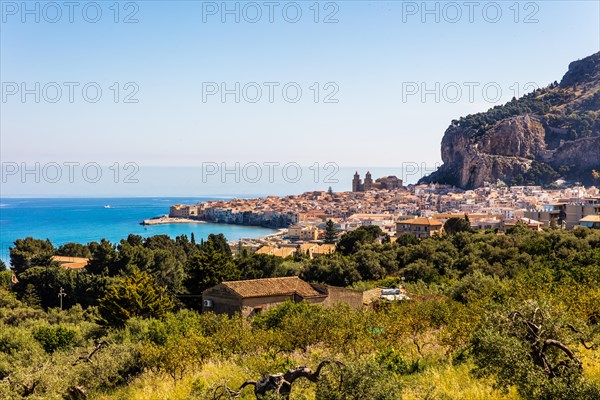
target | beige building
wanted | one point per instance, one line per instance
(300, 232)
(591, 221)
(316, 250)
(276, 251)
(527, 222)
(420, 227)
(310, 249)
(565, 214)
(483, 224)
(183, 211)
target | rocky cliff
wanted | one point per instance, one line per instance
(548, 134)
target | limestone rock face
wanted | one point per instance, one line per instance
(521, 136)
(584, 152)
(504, 151)
(550, 133)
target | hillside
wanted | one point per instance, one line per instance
(551, 133)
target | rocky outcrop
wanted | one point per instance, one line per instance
(551, 133)
(583, 152)
(521, 136)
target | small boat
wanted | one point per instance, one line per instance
(107, 206)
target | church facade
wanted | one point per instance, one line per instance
(387, 182)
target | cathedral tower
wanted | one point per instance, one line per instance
(368, 182)
(356, 184)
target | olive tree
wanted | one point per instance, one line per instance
(534, 348)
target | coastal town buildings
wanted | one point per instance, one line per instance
(567, 212)
(492, 207)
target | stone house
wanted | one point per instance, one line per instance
(252, 296)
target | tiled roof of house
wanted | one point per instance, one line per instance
(590, 218)
(421, 221)
(276, 251)
(266, 250)
(71, 262)
(272, 287)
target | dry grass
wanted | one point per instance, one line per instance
(438, 382)
(451, 382)
(443, 382)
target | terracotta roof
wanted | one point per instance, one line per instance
(272, 287)
(75, 265)
(71, 262)
(276, 251)
(283, 252)
(67, 259)
(266, 250)
(590, 218)
(421, 221)
(308, 246)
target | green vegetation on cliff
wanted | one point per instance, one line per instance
(550, 133)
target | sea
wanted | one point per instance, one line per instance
(83, 220)
(57, 210)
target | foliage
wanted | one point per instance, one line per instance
(534, 349)
(54, 338)
(30, 252)
(137, 295)
(351, 241)
(362, 380)
(463, 287)
(331, 232)
(455, 225)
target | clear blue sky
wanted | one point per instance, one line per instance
(374, 53)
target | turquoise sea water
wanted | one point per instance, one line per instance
(83, 220)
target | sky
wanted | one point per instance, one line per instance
(157, 87)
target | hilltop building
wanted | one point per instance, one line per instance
(386, 182)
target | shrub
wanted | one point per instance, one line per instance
(137, 295)
(54, 338)
(361, 380)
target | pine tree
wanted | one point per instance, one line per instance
(331, 232)
(31, 297)
(137, 295)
